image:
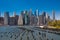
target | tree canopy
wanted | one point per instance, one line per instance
(55, 23)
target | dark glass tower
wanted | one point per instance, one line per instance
(44, 18)
(44, 14)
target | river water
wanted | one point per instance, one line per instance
(27, 33)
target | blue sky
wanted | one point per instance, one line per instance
(19, 5)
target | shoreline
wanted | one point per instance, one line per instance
(54, 29)
(51, 30)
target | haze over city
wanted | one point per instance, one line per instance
(19, 5)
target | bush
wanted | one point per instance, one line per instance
(55, 23)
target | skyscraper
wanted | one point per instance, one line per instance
(30, 12)
(20, 20)
(53, 12)
(23, 16)
(37, 13)
(26, 17)
(44, 14)
(30, 16)
(12, 21)
(6, 18)
(37, 17)
(40, 20)
(47, 18)
(1, 20)
(44, 18)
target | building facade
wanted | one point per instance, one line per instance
(12, 21)
(36, 17)
(20, 20)
(1, 21)
(53, 12)
(44, 18)
(6, 18)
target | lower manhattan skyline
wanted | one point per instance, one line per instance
(29, 19)
(41, 5)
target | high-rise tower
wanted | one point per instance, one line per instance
(26, 17)
(37, 17)
(37, 13)
(6, 18)
(30, 16)
(20, 20)
(44, 18)
(30, 12)
(53, 12)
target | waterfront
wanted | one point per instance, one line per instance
(26, 33)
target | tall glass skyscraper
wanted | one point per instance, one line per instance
(6, 18)
(44, 18)
(36, 17)
(30, 16)
(37, 13)
(26, 17)
(53, 12)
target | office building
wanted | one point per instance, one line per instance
(36, 17)
(23, 16)
(41, 20)
(26, 17)
(6, 18)
(30, 12)
(20, 20)
(44, 18)
(37, 13)
(47, 18)
(53, 12)
(1, 21)
(16, 19)
(12, 21)
(30, 16)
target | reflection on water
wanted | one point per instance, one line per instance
(23, 33)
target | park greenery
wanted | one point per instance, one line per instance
(55, 23)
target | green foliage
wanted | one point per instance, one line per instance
(55, 23)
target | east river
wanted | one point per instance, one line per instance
(26, 33)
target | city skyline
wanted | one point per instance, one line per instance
(41, 5)
(26, 18)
